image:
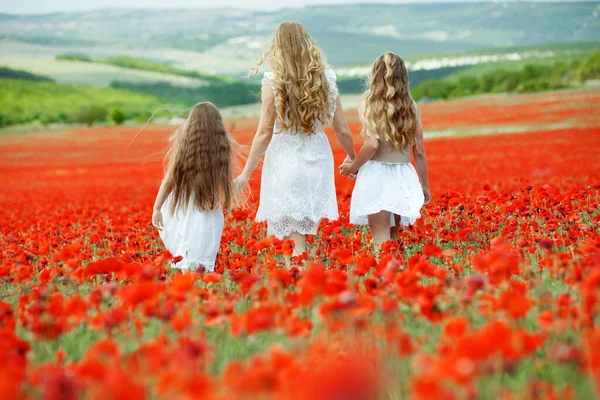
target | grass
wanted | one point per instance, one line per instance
(22, 101)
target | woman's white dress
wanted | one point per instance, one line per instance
(195, 235)
(297, 184)
(392, 187)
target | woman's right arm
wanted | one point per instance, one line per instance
(421, 159)
(342, 131)
(263, 135)
(367, 151)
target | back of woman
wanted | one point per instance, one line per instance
(299, 98)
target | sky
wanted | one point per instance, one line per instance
(48, 6)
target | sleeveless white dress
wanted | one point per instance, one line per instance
(298, 184)
(384, 186)
(195, 235)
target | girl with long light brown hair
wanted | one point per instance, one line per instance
(299, 98)
(197, 186)
(387, 191)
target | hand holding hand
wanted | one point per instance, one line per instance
(346, 169)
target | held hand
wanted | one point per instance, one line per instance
(347, 160)
(157, 219)
(346, 169)
(427, 195)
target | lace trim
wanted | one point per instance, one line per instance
(298, 216)
(284, 227)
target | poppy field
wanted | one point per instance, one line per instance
(493, 294)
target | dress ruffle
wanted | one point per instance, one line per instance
(386, 187)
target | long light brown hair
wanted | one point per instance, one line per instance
(301, 88)
(200, 161)
(389, 112)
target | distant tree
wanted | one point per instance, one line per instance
(74, 57)
(510, 81)
(467, 85)
(590, 68)
(487, 82)
(117, 116)
(18, 74)
(530, 72)
(90, 115)
(43, 120)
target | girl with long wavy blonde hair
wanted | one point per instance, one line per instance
(299, 98)
(197, 186)
(387, 191)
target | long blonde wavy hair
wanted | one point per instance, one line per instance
(389, 112)
(200, 161)
(301, 88)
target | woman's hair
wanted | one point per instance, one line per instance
(301, 88)
(389, 112)
(200, 161)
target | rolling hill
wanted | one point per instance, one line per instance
(228, 41)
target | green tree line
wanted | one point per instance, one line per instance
(222, 94)
(530, 78)
(28, 100)
(18, 74)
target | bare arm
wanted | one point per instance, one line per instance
(342, 131)
(367, 151)
(263, 135)
(421, 160)
(163, 192)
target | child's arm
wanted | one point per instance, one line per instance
(165, 189)
(342, 131)
(263, 136)
(367, 151)
(421, 159)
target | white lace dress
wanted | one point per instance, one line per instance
(195, 235)
(297, 185)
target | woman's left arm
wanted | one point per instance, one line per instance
(342, 131)
(166, 187)
(263, 136)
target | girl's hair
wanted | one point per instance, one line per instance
(200, 161)
(389, 112)
(302, 91)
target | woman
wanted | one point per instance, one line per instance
(299, 98)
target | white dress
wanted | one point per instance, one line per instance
(392, 187)
(298, 184)
(194, 235)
